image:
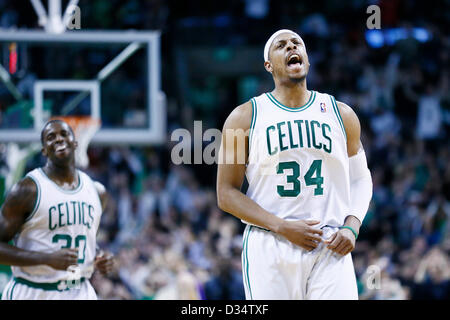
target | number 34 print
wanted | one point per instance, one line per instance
(312, 177)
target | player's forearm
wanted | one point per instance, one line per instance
(14, 256)
(233, 201)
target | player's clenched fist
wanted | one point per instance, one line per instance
(104, 262)
(341, 242)
(302, 233)
(63, 258)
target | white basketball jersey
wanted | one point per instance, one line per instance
(298, 163)
(60, 219)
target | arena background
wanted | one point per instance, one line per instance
(162, 223)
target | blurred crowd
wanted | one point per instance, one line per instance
(162, 221)
(171, 240)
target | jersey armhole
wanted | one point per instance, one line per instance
(88, 180)
(38, 197)
(338, 115)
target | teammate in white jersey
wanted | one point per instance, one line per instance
(52, 215)
(309, 186)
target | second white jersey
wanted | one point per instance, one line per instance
(298, 163)
(61, 219)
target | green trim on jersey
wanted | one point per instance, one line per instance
(38, 198)
(338, 115)
(12, 291)
(245, 266)
(253, 122)
(77, 189)
(312, 97)
(7, 292)
(244, 257)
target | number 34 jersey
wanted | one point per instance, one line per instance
(298, 164)
(61, 219)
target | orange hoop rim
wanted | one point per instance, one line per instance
(76, 121)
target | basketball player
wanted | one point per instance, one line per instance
(309, 186)
(52, 216)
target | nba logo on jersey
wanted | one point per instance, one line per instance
(323, 107)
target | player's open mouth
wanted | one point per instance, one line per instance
(294, 60)
(61, 148)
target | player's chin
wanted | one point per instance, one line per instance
(297, 78)
(297, 75)
(62, 157)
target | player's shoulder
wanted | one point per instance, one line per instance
(345, 110)
(349, 117)
(240, 117)
(102, 193)
(97, 185)
(25, 185)
(347, 114)
(351, 122)
(23, 194)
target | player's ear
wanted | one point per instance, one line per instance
(268, 66)
(44, 152)
(75, 144)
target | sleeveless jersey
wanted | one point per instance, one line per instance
(60, 219)
(298, 164)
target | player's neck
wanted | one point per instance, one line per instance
(292, 94)
(61, 173)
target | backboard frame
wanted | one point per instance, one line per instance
(156, 109)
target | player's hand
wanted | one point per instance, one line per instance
(302, 233)
(341, 242)
(62, 259)
(104, 262)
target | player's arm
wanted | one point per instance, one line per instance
(18, 205)
(104, 261)
(343, 241)
(230, 176)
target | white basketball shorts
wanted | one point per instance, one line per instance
(276, 269)
(25, 290)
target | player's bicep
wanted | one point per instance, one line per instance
(230, 176)
(231, 171)
(18, 205)
(233, 154)
(352, 128)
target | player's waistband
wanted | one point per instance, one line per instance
(257, 227)
(264, 229)
(61, 285)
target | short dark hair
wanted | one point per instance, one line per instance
(49, 123)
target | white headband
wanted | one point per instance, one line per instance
(272, 37)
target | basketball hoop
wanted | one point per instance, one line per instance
(84, 128)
